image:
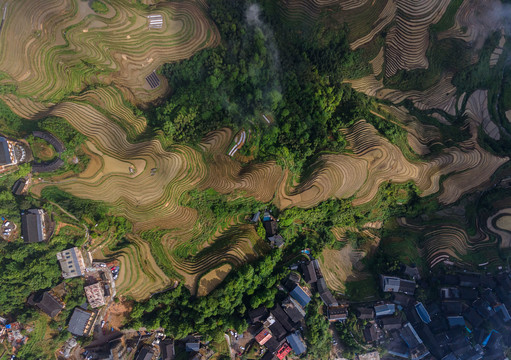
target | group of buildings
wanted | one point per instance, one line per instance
(100, 288)
(468, 319)
(279, 330)
(12, 152)
(271, 227)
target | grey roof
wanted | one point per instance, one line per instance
(145, 354)
(299, 295)
(371, 332)
(277, 240)
(309, 273)
(280, 315)
(365, 313)
(278, 332)
(470, 279)
(397, 347)
(5, 157)
(293, 309)
(259, 314)
(296, 344)
(18, 186)
(391, 323)
(325, 293)
(456, 321)
(167, 349)
(256, 216)
(79, 320)
(473, 317)
(395, 284)
(412, 271)
(32, 226)
(504, 312)
(410, 336)
(193, 346)
(50, 304)
(337, 313)
(386, 309)
(271, 227)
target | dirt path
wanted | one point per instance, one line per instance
(231, 351)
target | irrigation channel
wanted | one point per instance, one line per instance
(3, 18)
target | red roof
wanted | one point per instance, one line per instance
(263, 336)
(283, 351)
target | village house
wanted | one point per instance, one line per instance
(337, 313)
(263, 336)
(11, 152)
(293, 309)
(297, 344)
(373, 355)
(95, 295)
(81, 322)
(388, 323)
(33, 226)
(146, 353)
(71, 262)
(300, 295)
(47, 302)
(192, 346)
(325, 294)
(309, 273)
(384, 309)
(365, 313)
(19, 186)
(395, 284)
(167, 350)
(283, 351)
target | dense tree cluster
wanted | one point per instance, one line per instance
(224, 308)
(295, 77)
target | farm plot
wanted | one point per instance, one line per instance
(376, 161)
(500, 224)
(63, 46)
(441, 96)
(408, 40)
(139, 275)
(212, 279)
(452, 243)
(475, 20)
(477, 112)
(235, 246)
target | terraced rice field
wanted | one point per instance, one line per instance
(212, 279)
(77, 48)
(477, 112)
(63, 46)
(339, 266)
(500, 224)
(139, 275)
(450, 242)
(235, 246)
(473, 21)
(375, 161)
(441, 96)
(408, 40)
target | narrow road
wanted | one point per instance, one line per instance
(3, 18)
(231, 351)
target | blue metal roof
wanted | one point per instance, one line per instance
(299, 295)
(503, 310)
(387, 309)
(423, 313)
(296, 344)
(456, 321)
